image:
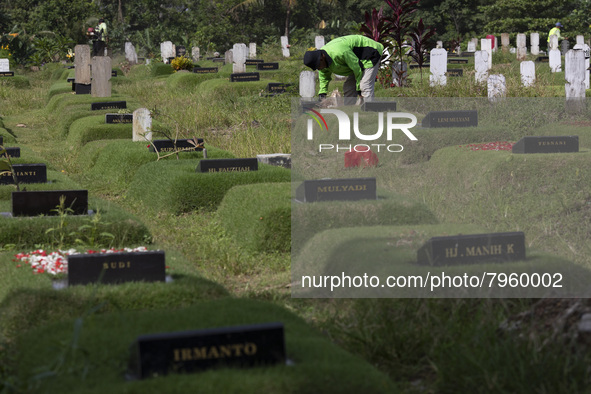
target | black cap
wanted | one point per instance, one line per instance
(312, 59)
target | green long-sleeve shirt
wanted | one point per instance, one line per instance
(349, 55)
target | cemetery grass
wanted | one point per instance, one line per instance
(423, 345)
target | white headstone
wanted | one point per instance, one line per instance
(521, 47)
(239, 54)
(497, 89)
(228, 57)
(475, 41)
(82, 64)
(130, 53)
(439, 44)
(4, 65)
(438, 67)
(574, 66)
(587, 52)
(481, 66)
(555, 60)
(553, 44)
(471, 46)
(528, 73)
(285, 46)
(195, 55)
(319, 42)
(307, 84)
(167, 50)
(534, 40)
(142, 125)
(252, 50)
(101, 76)
(486, 45)
(580, 39)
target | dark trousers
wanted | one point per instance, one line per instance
(98, 48)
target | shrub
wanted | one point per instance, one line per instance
(182, 63)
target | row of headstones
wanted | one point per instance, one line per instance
(5, 68)
(521, 47)
(92, 72)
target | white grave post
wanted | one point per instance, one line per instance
(319, 42)
(474, 40)
(497, 88)
(101, 76)
(252, 50)
(574, 73)
(505, 41)
(521, 47)
(239, 53)
(130, 53)
(534, 40)
(195, 55)
(142, 125)
(167, 50)
(307, 84)
(439, 44)
(481, 66)
(586, 51)
(285, 46)
(4, 65)
(471, 46)
(228, 57)
(528, 73)
(438, 67)
(555, 60)
(553, 44)
(82, 64)
(580, 39)
(486, 45)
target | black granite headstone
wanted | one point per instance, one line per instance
(194, 351)
(113, 73)
(470, 249)
(228, 165)
(455, 72)
(451, 119)
(244, 77)
(81, 88)
(219, 59)
(181, 51)
(267, 66)
(275, 87)
(425, 66)
(543, 59)
(13, 152)
(457, 61)
(205, 70)
(558, 144)
(253, 62)
(69, 80)
(112, 268)
(46, 202)
(109, 105)
(350, 189)
(379, 106)
(169, 146)
(6, 73)
(25, 173)
(118, 118)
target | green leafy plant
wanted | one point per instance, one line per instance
(91, 234)
(6, 167)
(182, 63)
(60, 232)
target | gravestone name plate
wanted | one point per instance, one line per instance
(168, 145)
(276, 87)
(267, 66)
(219, 59)
(6, 73)
(457, 61)
(25, 173)
(455, 72)
(543, 59)
(109, 105)
(70, 80)
(13, 152)
(474, 248)
(425, 65)
(347, 189)
(118, 118)
(228, 165)
(113, 73)
(205, 70)
(451, 119)
(253, 62)
(244, 77)
(112, 268)
(46, 202)
(181, 51)
(81, 88)
(558, 144)
(379, 106)
(198, 350)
